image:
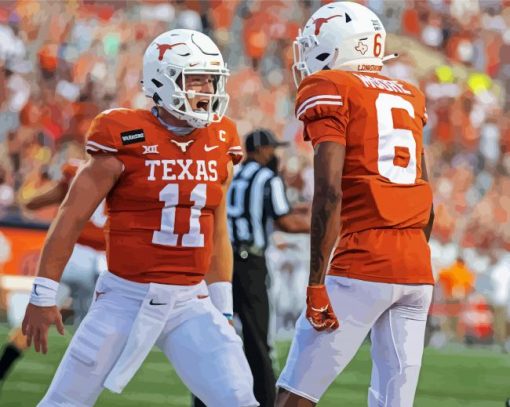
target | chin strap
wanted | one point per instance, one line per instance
(180, 131)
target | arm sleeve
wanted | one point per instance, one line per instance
(99, 139)
(235, 151)
(278, 203)
(322, 106)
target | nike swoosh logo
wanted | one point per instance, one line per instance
(201, 297)
(211, 148)
(156, 303)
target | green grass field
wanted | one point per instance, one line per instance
(460, 377)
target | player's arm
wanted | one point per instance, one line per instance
(90, 186)
(326, 204)
(53, 196)
(427, 229)
(325, 227)
(219, 277)
(324, 108)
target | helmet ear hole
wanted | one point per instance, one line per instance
(176, 102)
(322, 57)
(156, 98)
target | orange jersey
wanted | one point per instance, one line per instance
(92, 234)
(161, 210)
(380, 122)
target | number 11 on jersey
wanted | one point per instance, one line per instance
(166, 235)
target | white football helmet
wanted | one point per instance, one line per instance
(175, 54)
(341, 36)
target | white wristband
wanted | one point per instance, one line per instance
(44, 292)
(221, 297)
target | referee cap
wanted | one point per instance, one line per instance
(262, 137)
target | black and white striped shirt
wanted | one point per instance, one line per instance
(256, 196)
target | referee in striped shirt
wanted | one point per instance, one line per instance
(256, 200)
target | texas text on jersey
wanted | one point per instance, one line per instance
(161, 210)
(385, 203)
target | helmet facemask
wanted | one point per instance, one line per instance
(299, 69)
(179, 103)
(305, 62)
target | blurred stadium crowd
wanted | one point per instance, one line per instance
(62, 62)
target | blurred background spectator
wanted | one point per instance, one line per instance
(455, 283)
(61, 63)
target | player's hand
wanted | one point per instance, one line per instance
(319, 311)
(36, 323)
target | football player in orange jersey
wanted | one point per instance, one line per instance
(371, 213)
(164, 174)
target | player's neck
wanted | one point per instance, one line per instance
(170, 119)
(360, 66)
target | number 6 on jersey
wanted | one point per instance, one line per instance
(391, 138)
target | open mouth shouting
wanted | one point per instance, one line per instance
(202, 105)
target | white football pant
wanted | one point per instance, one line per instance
(197, 339)
(396, 314)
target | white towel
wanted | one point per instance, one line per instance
(149, 322)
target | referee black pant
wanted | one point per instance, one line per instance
(251, 303)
